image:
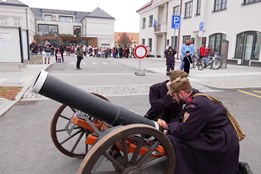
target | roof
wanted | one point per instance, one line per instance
(13, 3)
(99, 13)
(145, 6)
(79, 15)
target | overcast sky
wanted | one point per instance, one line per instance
(124, 11)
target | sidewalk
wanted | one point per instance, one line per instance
(235, 76)
(23, 79)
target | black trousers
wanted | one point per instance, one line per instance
(79, 59)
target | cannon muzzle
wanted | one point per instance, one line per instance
(79, 99)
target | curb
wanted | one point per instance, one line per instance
(9, 103)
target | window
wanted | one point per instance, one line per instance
(186, 37)
(150, 43)
(143, 22)
(47, 29)
(66, 18)
(198, 7)
(245, 46)
(188, 9)
(77, 30)
(246, 2)
(215, 41)
(143, 41)
(150, 20)
(220, 5)
(176, 10)
(47, 17)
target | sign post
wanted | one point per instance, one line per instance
(201, 26)
(140, 52)
(175, 24)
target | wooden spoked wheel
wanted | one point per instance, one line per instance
(101, 159)
(73, 144)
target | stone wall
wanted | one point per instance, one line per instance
(35, 59)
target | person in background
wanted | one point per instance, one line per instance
(79, 54)
(162, 104)
(47, 50)
(187, 61)
(186, 47)
(170, 59)
(204, 141)
(34, 47)
(62, 49)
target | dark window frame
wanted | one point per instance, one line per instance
(48, 15)
(150, 20)
(186, 37)
(143, 23)
(188, 10)
(220, 5)
(176, 10)
(49, 25)
(249, 2)
(75, 27)
(150, 43)
(65, 17)
(198, 8)
(216, 35)
(143, 42)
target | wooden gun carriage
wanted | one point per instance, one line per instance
(110, 138)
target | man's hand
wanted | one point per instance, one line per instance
(163, 124)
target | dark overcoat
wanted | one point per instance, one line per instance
(169, 54)
(162, 104)
(205, 143)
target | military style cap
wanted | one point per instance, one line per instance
(177, 73)
(180, 84)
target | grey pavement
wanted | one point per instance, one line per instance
(235, 76)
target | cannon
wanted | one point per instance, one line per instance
(116, 139)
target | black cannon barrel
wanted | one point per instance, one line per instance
(56, 89)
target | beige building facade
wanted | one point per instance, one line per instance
(211, 22)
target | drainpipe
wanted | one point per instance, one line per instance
(180, 12)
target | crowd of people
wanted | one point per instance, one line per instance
(89, 51)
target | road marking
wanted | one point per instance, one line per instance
(249, 93)
(257, 91)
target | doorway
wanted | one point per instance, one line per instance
(248, 46)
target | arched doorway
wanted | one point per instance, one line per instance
(215, 41)
(248, 46)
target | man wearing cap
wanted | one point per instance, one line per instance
(204, 142)
(162, 104)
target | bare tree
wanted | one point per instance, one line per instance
(124, 40)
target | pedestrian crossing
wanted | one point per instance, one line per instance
(95, 63)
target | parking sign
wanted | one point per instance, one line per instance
(175, 24)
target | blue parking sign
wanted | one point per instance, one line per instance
(175, 23)
(201, 25)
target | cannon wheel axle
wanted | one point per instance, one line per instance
(125, 162)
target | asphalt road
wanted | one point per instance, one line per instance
(26, 144)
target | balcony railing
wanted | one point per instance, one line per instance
(157, 28)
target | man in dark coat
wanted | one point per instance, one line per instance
(162, 104)
(170, 59)
(205, 141)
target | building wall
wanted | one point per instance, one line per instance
(16, 17)
(102, 29)
(237, 18)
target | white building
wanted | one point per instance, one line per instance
(235, 21)
(20, 24)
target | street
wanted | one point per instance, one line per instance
(26, 144)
